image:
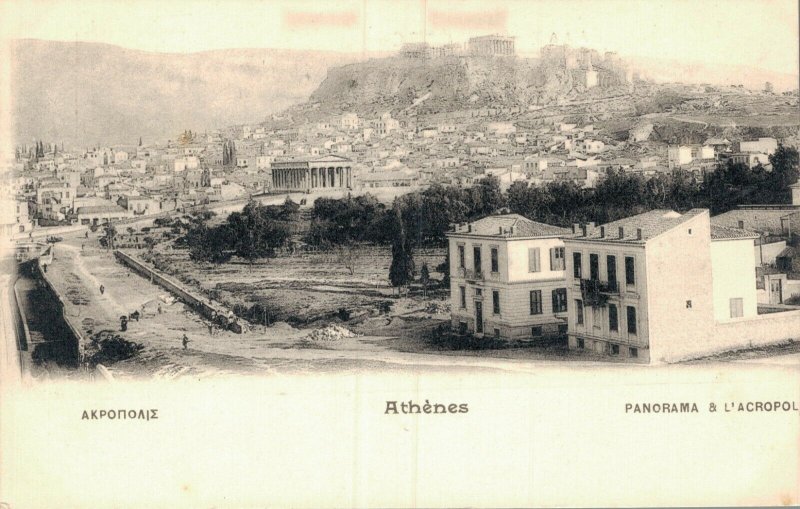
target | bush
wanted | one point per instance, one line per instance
(112, 348)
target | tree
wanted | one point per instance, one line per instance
(110, 234)
(425, 279)
(487, 197)
(785, 168)
(401, 270)
(346, 257)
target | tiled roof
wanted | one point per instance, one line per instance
(94, 209)
(652, 224)
(513, 226)
(726, 232)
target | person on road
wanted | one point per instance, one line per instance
(185, 341)
(102, 289)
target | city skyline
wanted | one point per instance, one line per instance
(693, 33)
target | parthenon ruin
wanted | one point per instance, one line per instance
(491, 45)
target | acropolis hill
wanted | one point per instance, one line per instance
(484, 72)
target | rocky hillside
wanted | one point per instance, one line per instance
(88, 93)
(445, 84)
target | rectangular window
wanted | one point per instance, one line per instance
(536, 302)
(497, 333)
(611, 265)
(594, 267)
(581, 345)
(556, 258)
(578, 311)
(536, 332)
(463, 291)
(533, 260)
(496, 302)
(613, 318)
(476, 259)
(614, 349)
(462, 327)
(631, 320)
(461, 258)
(559, 300)
(737, 307)
(634, 352)
(630, 271)
(495, 262)
(576, 265)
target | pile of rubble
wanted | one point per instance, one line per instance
(331, 332)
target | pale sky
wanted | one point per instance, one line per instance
(759, 33)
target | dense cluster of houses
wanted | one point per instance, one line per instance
(388, 153)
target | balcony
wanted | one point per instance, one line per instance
(469, 274)
(595, 293)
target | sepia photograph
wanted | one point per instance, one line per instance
(523, 214)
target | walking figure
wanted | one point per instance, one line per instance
(185, 341)
(102, 289)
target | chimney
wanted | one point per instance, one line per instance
(583, 228)
(602, 232)
(501, 230)
(575, 227)
(621, 232)
(591, 227)
(638, 234)
(469, 228)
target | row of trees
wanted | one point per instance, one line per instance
(426, 216)
(423, 218)
(258, 231)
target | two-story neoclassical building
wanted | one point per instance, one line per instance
(656, 285)
(507, 278)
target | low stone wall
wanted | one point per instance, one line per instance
(46, 259)
(761, 330)
(180, 291)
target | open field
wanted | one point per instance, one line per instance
(304, 287)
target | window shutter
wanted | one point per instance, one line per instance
(533, 259)
(553, 258)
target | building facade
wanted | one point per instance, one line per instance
(507, 278)
(631, 281)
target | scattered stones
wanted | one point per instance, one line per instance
(332, 332)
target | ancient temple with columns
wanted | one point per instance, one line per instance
(492, 45)
(312, 173)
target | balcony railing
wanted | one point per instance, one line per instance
(595, 293)
(470, 275)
